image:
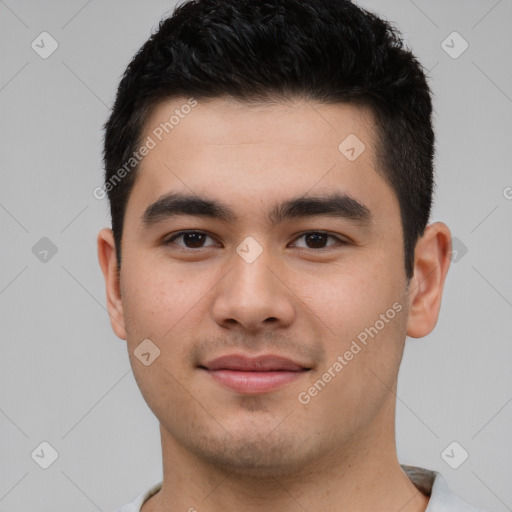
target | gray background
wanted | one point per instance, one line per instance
(65, 376)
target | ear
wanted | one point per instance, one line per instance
(432, 258)
(108, 264)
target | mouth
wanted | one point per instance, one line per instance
(254, 375)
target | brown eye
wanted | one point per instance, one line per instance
(318, 240)
(191, 239)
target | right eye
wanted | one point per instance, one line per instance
(191, 239)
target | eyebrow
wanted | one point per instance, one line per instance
(331, 205)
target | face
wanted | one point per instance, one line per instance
(292, 248)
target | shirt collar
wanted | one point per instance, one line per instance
(427, 481)
(433, 484)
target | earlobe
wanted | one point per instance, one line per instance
(431, 264)
(108, 264)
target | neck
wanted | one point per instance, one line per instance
(364, 474)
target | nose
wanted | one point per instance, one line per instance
(254, 296)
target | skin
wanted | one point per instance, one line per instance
(224, 450)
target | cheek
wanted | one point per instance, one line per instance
(366, 330)
(346, 296)
(359, 309)
(156, 296)
(159, 305)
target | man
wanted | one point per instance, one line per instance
(269, 171)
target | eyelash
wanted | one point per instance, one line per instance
(340, 242)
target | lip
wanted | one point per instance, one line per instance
(252, 375)
(262, 363)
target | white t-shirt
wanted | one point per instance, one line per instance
(427, 481)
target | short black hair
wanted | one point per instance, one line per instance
(329, 51)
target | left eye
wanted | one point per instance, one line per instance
(318, 239)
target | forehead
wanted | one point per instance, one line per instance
(228, 123)
(253, 153)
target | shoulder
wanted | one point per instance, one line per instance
(432, 483)
(136, 504)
